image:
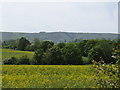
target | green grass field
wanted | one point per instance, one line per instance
(48, 76)
(7, 53)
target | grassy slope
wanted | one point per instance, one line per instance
(48, 76)
(7, 53)
(58, 36)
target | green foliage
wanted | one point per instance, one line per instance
(101, 50)
(108, 76)
(95, 53)
(88, 46)
(53, 56)
(85, 60)
(61, 45)
(23, 60)
(22, 43)
(11, 44)
(71, 54)
(29, 47)
(44, 45)
(106, 50)
(38, 57)
(36, 43)
(10, 61)
(81, 46)
(13, 60)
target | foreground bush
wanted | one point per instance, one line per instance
(108, 75)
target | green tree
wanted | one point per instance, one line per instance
(22, 43)
(89, 45)
(102, 50)
(38, 57)
(11, 44)
(61, 45)
(95, 53)
(80, 45)
(71, 54)
(44, 45)
(36, 43)
(29, 47)
(23, 60)
(53, 56)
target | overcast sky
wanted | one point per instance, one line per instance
(92, 17)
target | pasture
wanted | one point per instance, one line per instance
(7, 53)
(48, 76)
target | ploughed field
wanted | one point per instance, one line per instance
(48, 76)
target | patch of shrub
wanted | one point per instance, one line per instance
(10, 61)
(108, 75)
(23, 60)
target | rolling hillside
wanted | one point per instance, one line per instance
(58, 36)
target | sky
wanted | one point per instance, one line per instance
(86, 17)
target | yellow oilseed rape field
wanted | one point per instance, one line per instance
(48, 76)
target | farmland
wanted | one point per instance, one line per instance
(48, 76)
(44, 76)
(7, 53)
(58, 66)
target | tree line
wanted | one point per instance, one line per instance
(49, 53)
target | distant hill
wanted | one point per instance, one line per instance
(58, 36)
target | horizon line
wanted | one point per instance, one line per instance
(59, 32)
